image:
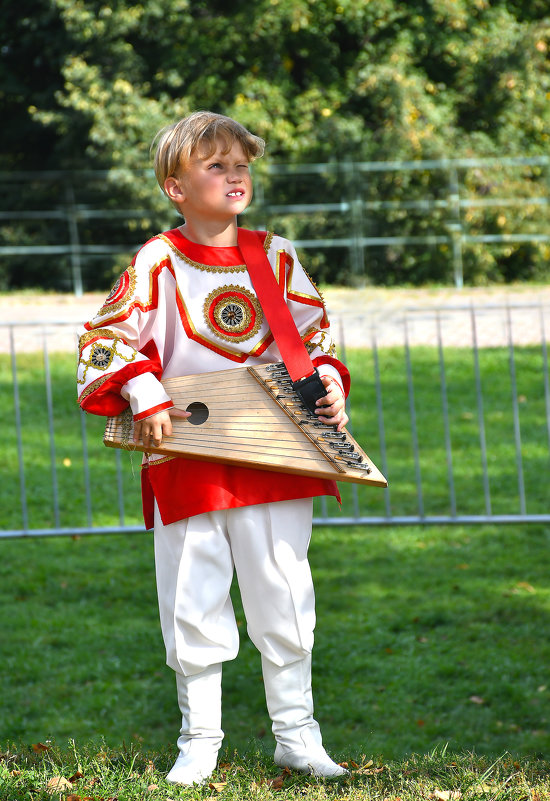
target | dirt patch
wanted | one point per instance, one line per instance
(358, 315)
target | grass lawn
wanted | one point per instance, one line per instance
(432, 647)
(72, 480)
(431, 643)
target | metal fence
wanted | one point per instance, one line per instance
(441, 207)
(455, 411)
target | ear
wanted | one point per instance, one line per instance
(173, 189)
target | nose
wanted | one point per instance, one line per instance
(234, 177)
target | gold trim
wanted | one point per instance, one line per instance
(208, 268)
(113, 351)
(329, 348)
(316, 288)
(92, 387)
(246, 313)
(153, 462)
(211, 268)
(103, 333)
(107, 307)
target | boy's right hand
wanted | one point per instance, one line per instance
(152, 429)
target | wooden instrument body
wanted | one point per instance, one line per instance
(251, 416)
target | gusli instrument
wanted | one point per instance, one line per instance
(253, 417)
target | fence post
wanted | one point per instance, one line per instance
(72, 219)
(455, 227)
(356, 251)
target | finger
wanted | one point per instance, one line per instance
(155, 437)
(331, 408)
(167, 429)
(339, 419)
(329, 419)
(178, 413)
(343, 423)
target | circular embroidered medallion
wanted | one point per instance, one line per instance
(101, 357)
(122, 290)
(233, 313)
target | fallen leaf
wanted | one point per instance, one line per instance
(277, 782)
(524, 585)
(152, 787)
(368, 769)
(217, 786)
(76, 776)
(477, 699)
(445, 795)
(40, 747)
(58, 784)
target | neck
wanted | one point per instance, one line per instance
(213, 234)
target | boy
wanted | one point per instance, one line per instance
(186, 305)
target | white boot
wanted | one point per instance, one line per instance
(290, 706)
(199, 699)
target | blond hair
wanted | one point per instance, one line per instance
(176, 143)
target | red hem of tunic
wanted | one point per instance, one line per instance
(210, 486)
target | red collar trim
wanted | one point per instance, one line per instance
(205, 254)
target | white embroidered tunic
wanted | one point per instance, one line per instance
(182, 309)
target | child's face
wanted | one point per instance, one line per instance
(215, 188)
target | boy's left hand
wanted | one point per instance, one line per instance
(332, 408)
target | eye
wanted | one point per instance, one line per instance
(215, 165)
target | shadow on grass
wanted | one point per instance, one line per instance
(424, 637)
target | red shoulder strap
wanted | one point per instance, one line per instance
(283, 327)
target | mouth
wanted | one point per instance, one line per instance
(236, 193)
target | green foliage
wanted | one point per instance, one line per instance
(379, 79)
(330, 80)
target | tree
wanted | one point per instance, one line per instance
(321, 80)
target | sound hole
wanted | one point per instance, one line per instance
(199, 413)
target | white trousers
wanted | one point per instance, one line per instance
(266, 545)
